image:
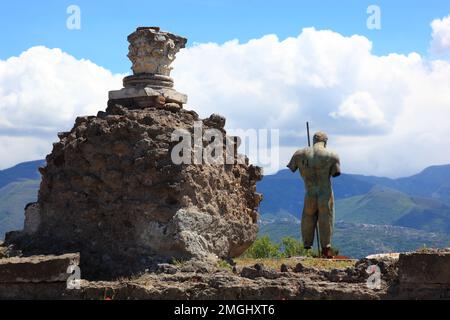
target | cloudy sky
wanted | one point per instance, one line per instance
(383, 96)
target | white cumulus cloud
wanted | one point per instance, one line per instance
(385, 115)
(440, 43)
(42, 91)
(361, 107)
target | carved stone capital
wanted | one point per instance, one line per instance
(152, 51)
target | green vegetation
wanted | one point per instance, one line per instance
(275, 263)
(369, 211)
(292, 247)
(420, 202)
(265, 248)
(380, 206)
(176, 262)
(224, 264)
(360, 240)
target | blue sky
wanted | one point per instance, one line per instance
(382, 111)
(105, 24)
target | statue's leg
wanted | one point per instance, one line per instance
(326, 219)
(309, 220)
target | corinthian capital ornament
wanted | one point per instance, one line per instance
(151, 52)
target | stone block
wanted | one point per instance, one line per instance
(424, 268)
(36, 269)
(424, 275)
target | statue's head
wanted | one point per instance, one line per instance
(320, 137)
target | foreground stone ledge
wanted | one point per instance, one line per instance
(194, 281)
(425, 268)
(36, 269)
(36, 291)
(424, 275)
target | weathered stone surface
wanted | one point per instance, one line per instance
(35, 291)
(299, 267)
(215, 121)
(146, 97)
(258, 270)
(3, 251)
(37, 268)
(176, 282)
(431, 268)
(133, 92)
(8, 251)
(424, 291)
(220, 284)
(152, 51)
(424, 275)
(32, 218)
(285, 268)
(166, 268)
(111, 191)
(192, 280)
(387, 264)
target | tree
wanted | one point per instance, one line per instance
(263, 248)
(292, 247)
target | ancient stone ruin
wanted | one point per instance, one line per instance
(416, 275)
(116, 200)
(111, 190)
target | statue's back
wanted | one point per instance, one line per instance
(316, 165)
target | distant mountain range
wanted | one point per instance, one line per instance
(420, 203)
(22, 171)
(359, 240)
(373, 214)
(13, 198)
(18, 186)
(382, 206)
(433, 182)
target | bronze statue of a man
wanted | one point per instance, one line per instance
(317, 165)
